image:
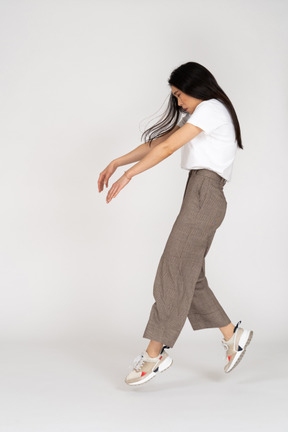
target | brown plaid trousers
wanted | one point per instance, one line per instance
(181, 288)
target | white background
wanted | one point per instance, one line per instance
(80, 82)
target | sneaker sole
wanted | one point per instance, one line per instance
(244, 341)
(161, 368)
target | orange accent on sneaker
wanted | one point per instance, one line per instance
(143, 373)
(229, 357)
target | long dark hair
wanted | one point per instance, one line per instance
(194, 80)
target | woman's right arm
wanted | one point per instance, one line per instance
(141, 151)
(134, 156)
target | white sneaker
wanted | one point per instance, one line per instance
(236, 347)
(145, 367)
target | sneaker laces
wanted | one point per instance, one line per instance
(139, 360)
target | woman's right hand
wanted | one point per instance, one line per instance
(105, 175)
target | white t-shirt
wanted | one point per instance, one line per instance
(215, 148)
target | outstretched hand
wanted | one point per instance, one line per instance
(117, 187)
(105, 175)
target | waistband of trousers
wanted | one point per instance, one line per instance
(208, 173)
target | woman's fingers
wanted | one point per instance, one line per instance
(100, 182)
(103, 179)
(109, 196)
(105, 175)
(112, 193)
(117, 187)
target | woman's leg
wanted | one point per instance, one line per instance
(227, 331)
(154, 348)
(202, 212)
(205, 310)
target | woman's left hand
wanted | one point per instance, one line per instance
(116, 187)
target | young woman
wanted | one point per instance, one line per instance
(209, 136)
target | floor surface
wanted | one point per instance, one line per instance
(79, 386)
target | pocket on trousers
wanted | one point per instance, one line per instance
(203, 191)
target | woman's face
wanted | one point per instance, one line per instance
(188, 103)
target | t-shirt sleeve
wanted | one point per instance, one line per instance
(183, 120)
(207, 116)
